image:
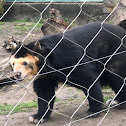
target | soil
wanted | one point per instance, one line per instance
(70, 98)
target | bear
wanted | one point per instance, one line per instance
(87, 57)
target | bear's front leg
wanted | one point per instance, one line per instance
(43, 111)
(45, 90)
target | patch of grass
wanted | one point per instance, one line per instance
(2, 23)
(27, 27)
(19, 32)
(57, 99)
(57, 114)
(19, 21)
(41, 21)
(39, 25)
(69, 99)
(83, 97)
(23, 107)
(23, 28)
(79, 90)
(110, 22)
(66, 85)
(106, 87)
(107, 98)
(66, 19)
(28, 21)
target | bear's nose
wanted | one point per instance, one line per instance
(17, 75)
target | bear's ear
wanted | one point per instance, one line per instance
(37, 46)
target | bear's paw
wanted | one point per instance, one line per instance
(35, 119)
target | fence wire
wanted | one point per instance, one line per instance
(71, 120)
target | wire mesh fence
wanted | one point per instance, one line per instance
(103, 61)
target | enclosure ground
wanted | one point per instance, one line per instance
(68, 99)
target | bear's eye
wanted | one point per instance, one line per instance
(13, 64)
(25, 63)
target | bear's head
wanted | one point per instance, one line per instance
(26, 60)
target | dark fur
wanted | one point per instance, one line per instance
(7, 81)
(68, 54)
(122, 24)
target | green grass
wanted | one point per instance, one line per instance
(27, 27)
(23, 28)
(2, 23)
(57, 99)
(23, 107)
(106, 87)
(27, 21)
(107, 98)
(19, 21)
(27, 107)
(66, 19)
(69, 99)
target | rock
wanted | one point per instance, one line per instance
(120, 13)
(55, 23)
(123, 2)
(110, 3)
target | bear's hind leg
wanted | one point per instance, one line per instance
(118, 86)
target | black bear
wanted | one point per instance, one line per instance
(97, 50)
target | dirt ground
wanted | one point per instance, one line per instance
(70, 98)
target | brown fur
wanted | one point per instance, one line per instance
(28, 70)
